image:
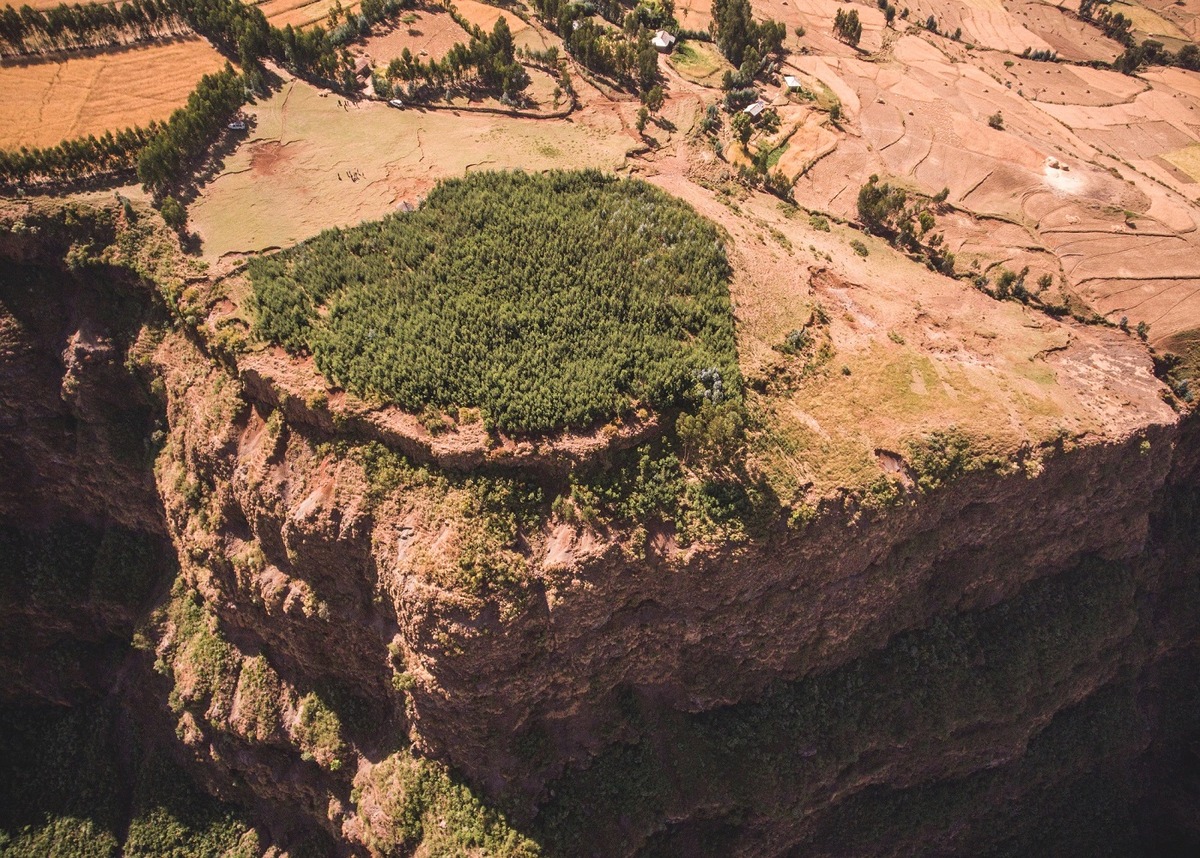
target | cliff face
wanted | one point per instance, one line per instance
(339, 640)
(84, 536)
(759, 689)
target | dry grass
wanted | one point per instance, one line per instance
(904, 352)
(1186, 159)
(700, 62)
(430, 35)
(694, 14)
(313, 164)
(45, 102)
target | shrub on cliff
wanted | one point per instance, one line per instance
(944, 455)
(420, 805)
(547, 301)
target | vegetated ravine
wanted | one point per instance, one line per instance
(230, 634)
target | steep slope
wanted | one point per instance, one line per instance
(994, 646)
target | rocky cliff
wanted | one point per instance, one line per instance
(360, 653)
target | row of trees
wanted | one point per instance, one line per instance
(172, 151)
(625, 54)
(739, 36)
(1151, 52)
(312, 52)
(888, 212)
(546, 300)
(488, 62)
(73, 160)
(83, 26)
(163, 153)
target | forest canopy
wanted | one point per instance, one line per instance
(547, 301)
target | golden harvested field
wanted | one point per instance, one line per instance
(299, 13)
(46, 102)
(1186, 159)
(1185, 16)
(1148, 22)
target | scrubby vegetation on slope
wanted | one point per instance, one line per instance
(763, 759)
(546, 301)
(73, 787)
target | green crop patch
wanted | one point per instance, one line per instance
(547, 301)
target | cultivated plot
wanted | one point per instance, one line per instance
(484, 16)
(299, 13)
(1092, 166)
(46, 101)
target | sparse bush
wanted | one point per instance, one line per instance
(742, 128)
(318, 730)
(1005, 283)
(996, 120)
(795, 342)
(847, 27)
(943, 455)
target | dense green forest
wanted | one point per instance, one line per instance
(546, 301)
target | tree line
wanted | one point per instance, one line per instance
(546, 301)
(619, 49)
(86, 26)
(170, 154)
(487, 63)
(740, 37)
(1151, 52)
(164, 152)
(71, 160)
